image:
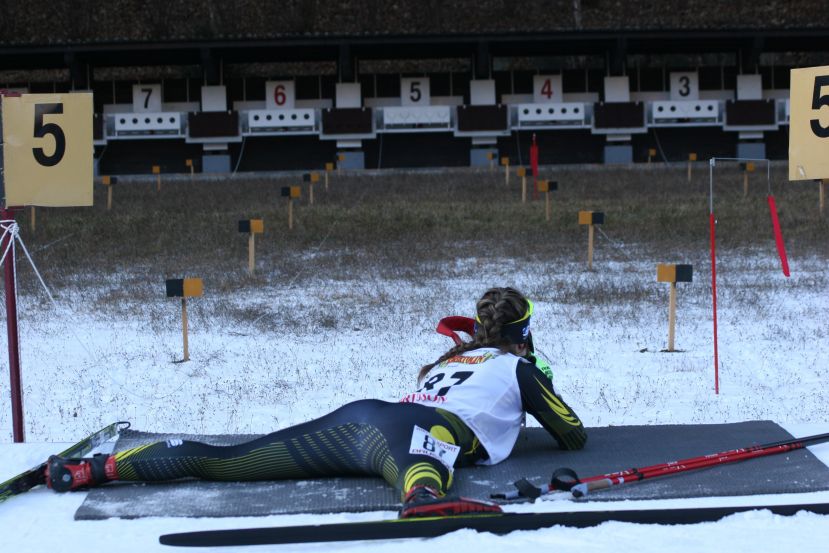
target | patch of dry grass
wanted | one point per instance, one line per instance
(400, 224)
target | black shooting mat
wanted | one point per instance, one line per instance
(535, 456)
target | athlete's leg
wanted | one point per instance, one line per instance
(340, 443)
(361, 438)
(417, 453)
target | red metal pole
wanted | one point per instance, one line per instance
(713, 224)
(7, 214)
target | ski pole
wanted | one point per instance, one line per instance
(706, 458)
(566, 479)
(633, 475)
(605, 481)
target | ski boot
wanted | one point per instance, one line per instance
(63, 475)
(423, 501)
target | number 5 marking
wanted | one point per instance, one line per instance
(818, 102)
(41, 130)
(414, 93)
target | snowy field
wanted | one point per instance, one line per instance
(367, 336)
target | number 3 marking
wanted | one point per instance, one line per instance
(460, 377)
(685, 83)
(818, 102)
(41, 130)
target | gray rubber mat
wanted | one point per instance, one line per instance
(535, 457)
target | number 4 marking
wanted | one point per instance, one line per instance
(547, 89)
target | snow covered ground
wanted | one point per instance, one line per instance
(368, 335)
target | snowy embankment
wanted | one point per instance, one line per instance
(366, 337)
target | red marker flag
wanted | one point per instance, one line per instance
(534, 158)
(778, 235)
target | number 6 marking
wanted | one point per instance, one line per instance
(41, 130)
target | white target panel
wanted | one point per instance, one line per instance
(414, 116)
(214, 98)
(415, 91)
(482, 93)
(348, 95)
(749, 87)
(691, 110)
(551, 112)
(616, 89)
(147, 122)
(547, 89)
(280, 94)
(685, 85)
(259, 119)
(146, 97)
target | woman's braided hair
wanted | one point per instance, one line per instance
(497, 307)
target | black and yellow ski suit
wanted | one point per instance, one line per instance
(366, 437)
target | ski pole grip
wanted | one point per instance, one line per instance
(581, 490)
(564, 479)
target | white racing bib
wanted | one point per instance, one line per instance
(423, 443)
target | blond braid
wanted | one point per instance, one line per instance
(497, 307)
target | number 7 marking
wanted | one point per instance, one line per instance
(460, 377)
(149, 92)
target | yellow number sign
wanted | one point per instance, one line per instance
(48, 149)
(809, 124)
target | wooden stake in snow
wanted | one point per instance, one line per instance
(522, 172)
(547, 187)
(109, 182)
(673, 274)
(328, 168)
(184, 288)
(505, 163)
(292, 193)
(651, 154)
(251, 227)
(157, 171)
(692, 157)
(590, 218)
(189, 163)
(311, 178)
(747, 168)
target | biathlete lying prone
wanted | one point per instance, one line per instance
(468, 411)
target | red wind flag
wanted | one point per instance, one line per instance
(534, 158)
(778, 235)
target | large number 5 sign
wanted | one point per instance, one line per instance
(48, 149)
(809, 124)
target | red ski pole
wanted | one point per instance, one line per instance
(567, 480)
(605, 481)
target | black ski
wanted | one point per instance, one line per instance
(437, 526)
(36, 476)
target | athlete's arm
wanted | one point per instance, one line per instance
(540, 400)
